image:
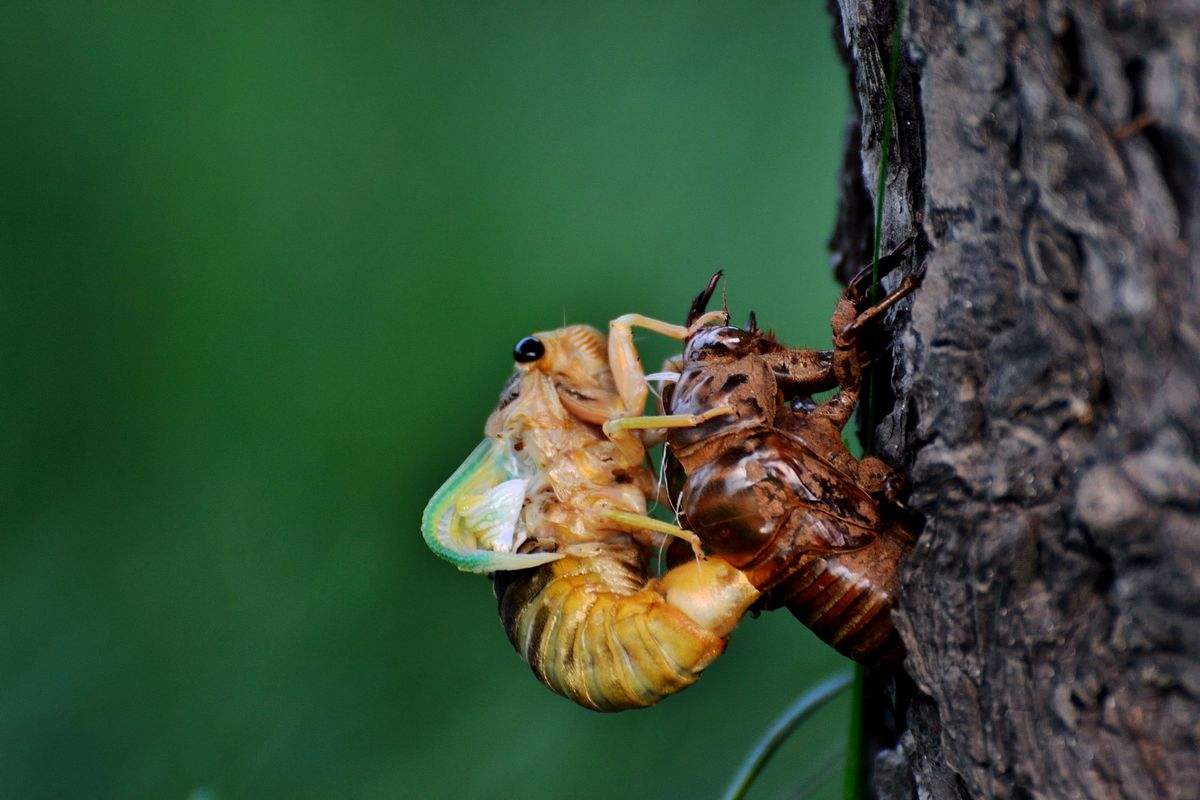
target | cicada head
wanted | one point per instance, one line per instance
(574, 361)
(722, 342)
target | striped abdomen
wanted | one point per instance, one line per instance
(595, 630)
(847, 599)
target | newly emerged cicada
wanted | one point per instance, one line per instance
(555, 509)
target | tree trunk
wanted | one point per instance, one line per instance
(1043, 390)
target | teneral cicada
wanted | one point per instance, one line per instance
(555, 509)
(769, 484)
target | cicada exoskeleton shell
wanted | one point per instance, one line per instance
(771, 487)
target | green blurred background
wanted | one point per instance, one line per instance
(262, 269)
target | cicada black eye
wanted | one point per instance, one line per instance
(528, 349)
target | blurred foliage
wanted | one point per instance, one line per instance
(262, 268)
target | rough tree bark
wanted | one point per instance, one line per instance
(1044, 388)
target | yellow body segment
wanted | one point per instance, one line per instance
(597, 631)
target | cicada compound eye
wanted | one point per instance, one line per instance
(528, 350)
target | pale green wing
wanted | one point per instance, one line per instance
(472, 521)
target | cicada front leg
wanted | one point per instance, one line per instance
(625, 362)
(849, 356)
(623, 357)
(633, 385)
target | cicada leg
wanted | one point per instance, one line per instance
(623, 357)
(615, 428)
(665, 420)
(860, 282)
(641, 522)
(667, 376)
(863, 319)
(848, 356)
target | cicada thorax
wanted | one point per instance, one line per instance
(776, 493)
(575, 472)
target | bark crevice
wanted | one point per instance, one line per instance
(1044, 388)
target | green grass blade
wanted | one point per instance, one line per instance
(805, 706)
(855, 783)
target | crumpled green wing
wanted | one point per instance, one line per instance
(472, 521)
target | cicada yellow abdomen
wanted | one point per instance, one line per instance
(595, 630)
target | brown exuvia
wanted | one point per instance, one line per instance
(770, 486)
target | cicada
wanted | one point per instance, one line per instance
(761, 472)
(555, 509)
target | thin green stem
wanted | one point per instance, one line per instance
(805, 706)
(854, 785)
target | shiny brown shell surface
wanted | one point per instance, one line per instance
(772, 488)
